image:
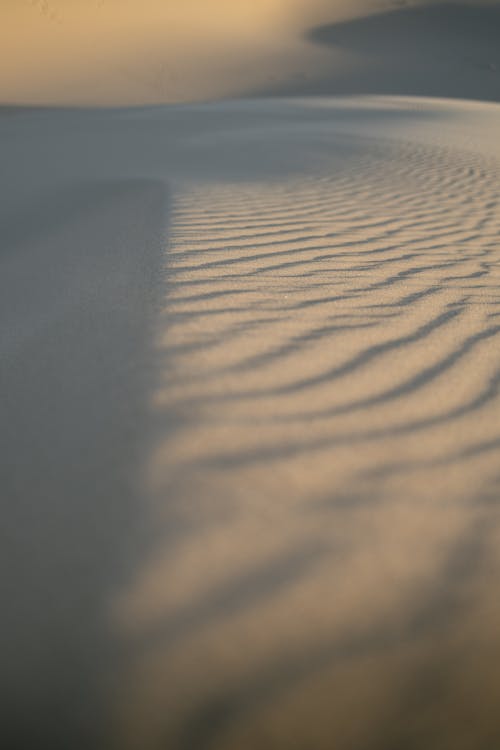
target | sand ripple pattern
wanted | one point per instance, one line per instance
(332, 348)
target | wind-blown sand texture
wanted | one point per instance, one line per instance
(253, 424)
(250, 408)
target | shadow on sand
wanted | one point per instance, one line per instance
(446, 50)
(77, 303)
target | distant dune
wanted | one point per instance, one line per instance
(446, 49)
(121, 52)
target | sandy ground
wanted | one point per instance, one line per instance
(250, 384)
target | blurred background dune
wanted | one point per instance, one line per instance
(128, 52)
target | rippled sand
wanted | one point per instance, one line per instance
(252, 426)
(331, 337)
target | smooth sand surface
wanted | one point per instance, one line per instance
(126, 52)
(250, 409)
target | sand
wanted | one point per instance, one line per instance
(250, 403)
(126, 52)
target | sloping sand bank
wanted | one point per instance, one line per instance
(251, 447)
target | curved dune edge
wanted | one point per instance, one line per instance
(305, 527)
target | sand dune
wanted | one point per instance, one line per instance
(75, 310)
(257, 488)
(331, 338)
(443, 49)
(122, 52)
(250, 375)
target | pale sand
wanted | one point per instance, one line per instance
(250, 446)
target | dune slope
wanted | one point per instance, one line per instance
(438, 49)
(252, 453)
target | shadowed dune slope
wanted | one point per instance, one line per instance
(447, 49)
(79, 264)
